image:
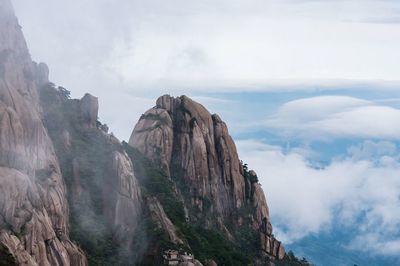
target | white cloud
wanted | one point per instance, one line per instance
(373, 243)
(206, 100)
(184, 47)
(350, 193)
(220, 44)
(336, 116)
(122, 111)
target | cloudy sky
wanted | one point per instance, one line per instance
(310, 90)
(127, 50)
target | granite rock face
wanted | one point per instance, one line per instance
(194, 147)
(33, 207)
(122, 197)
(104, 194)
(183, 136)
(89, 108)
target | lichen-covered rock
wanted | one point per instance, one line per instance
(34, 210)
(195, 147)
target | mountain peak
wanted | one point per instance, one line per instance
(195, 150)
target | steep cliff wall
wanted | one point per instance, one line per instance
(104, 194)
(34, 212)
(196, 152)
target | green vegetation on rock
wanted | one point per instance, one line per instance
(291, 260)
(204, 243)
(6, 259)
(91, 150)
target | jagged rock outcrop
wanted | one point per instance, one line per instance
(89, 108)
(195, 149)
(42, 74)
(33, 207)
(203, 153)
(104, 194)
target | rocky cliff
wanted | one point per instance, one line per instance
(34, 225)
(196, 152)
(104, 194)
(73, 194)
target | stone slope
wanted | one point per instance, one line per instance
(195, 150)
(34, 212)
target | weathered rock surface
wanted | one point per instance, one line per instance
(122, 196)
(156, 129)
(203, 152)
(159, 217)
(89, 108)
(195, 147)
(33, 207)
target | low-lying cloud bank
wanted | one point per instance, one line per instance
(360, 192)
(326, 117)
